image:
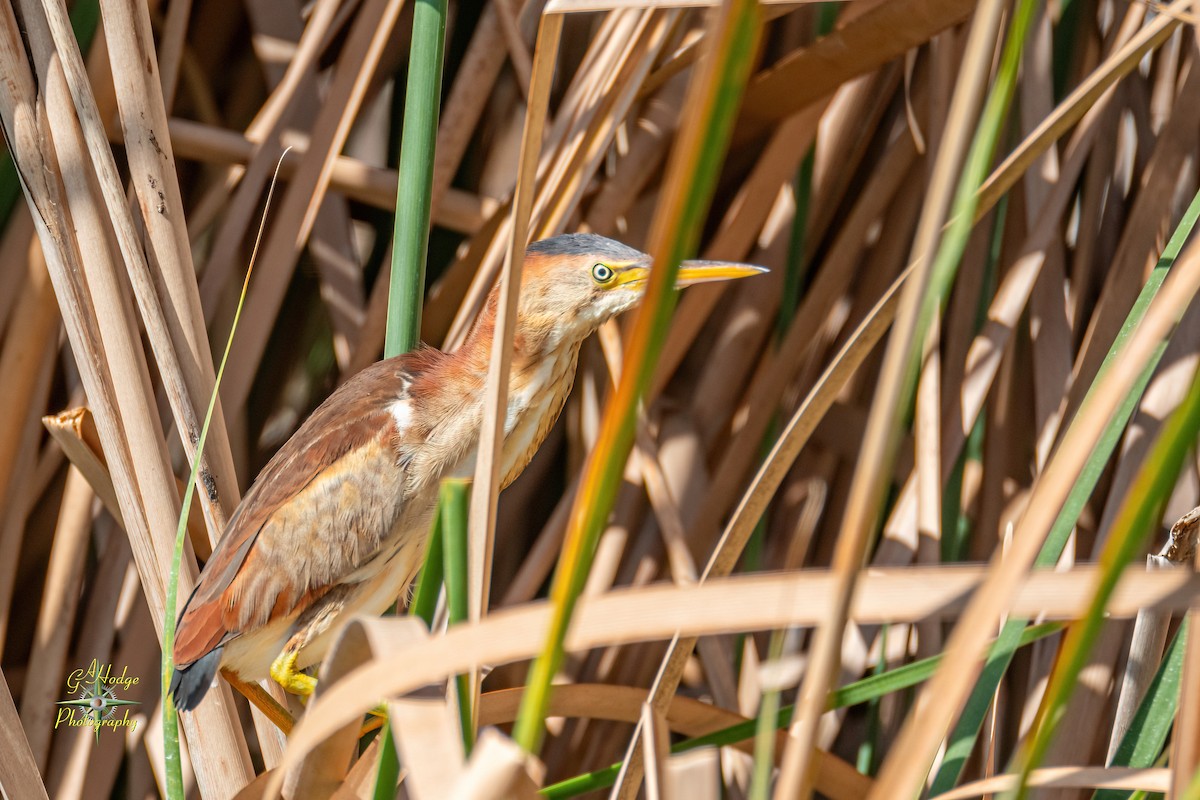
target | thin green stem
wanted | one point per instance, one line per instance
(1142, 745)
(413, 200)
(455, 496)
(975, 169)
(765, 727)
(868, 751)
(406, 286)
(691, 179)
(172, 762)
(429, 581)
(387, 774)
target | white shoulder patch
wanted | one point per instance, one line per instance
(402, 413)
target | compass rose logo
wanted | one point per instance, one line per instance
(96, 704)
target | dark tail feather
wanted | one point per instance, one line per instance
(190, 683)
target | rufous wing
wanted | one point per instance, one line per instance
(310, 518)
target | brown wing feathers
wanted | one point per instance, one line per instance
(344, 421)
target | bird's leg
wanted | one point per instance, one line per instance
(283, 670)
(314, 621)
(268, 705)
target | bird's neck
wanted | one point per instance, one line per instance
(540, 377)
(536, 342)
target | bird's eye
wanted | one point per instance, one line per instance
(602, 273)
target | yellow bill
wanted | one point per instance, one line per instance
(693, 272)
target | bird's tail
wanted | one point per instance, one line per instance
(190, 683)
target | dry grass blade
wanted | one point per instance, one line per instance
(260, 156)
(589, 119)
(459, 211)
(18, 772)
(499, 770)
(56, 619)
(691, 170)
(800, 427)
(750, 602)
(883, 32)
(487, 469)
(467, 98)
(1071, 109)
(1143, 780)
(36, 316)
(835, 777)
(656, 749)
(428, 742)
(1185, 749)
(775, 468)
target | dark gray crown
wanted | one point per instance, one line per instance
(581, 244)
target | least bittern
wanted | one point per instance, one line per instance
(337, 522)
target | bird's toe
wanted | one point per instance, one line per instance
(284, 672)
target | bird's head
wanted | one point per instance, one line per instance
(575, 282)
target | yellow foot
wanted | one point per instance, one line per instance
(284, 671)
(376, 717)
(373, 724)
